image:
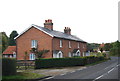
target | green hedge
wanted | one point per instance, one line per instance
(63, 62)
(8, 66)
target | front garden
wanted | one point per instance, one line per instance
(9, 70)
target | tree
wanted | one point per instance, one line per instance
(39, 53)
(107, 46)
(115, 50)
(11, 38)
(25, 58)
(4, 41)
(92, 46)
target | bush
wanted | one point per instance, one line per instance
(64, 62)
(8, 66)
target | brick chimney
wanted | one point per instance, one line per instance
(48, 24)
(67, 30)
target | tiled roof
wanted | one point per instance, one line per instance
(54, 33)
(59, 34)
(10, 50)
(102, 45)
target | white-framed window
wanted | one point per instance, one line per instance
(60, 43)
(14, 54)
(69, 54)
(34, 43)
(6, 56)
(10, 56)
(69, 44)
(78, 45)
(32, 56)
(83, 54)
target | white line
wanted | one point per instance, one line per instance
(111, 70)
(118, 65)
(63, 74)
(49, 77)
(106, 67)
(99, 77)
(72, 71)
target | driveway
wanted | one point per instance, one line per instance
(56, 71)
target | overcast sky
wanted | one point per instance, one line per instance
(94, 21)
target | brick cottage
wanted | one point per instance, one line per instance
(59, 44)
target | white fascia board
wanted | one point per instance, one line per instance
(43, 31)
(31, 27)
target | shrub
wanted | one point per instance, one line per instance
(8, 66)
(64, 62)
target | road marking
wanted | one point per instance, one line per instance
(111, 70)
(50, 77)
(63, 74)
(106, 67)
(72, 71)
(99, 77)
(118, 65)
(104, 74)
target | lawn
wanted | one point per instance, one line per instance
(23, 76)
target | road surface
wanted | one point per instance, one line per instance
(106, 71)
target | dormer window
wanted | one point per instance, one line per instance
(60, 43)
(34, 44)
(69, 44)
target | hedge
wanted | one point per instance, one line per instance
(64, 62)
(8, 66)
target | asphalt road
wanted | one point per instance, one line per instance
(101, 72)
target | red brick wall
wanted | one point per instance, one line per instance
(65, 48)
(24, 43)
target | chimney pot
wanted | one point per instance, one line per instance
(48, 24)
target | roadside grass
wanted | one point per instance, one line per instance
(23, 76)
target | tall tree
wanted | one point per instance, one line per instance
(4, 41)
(115, 50)
(11, 38)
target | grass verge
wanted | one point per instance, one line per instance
(23, 76)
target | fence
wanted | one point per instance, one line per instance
(25, 64)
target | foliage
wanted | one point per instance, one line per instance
(23, 75)
(39, 53)
(8, 66)
(64, 62)
(4, 41)
(11, 38)
(115, 50)
(92, 46)
(107, 46)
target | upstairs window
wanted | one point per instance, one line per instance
(60, 43)
(34, 43)
(69, 44)
(83, 46)
(78, 45)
